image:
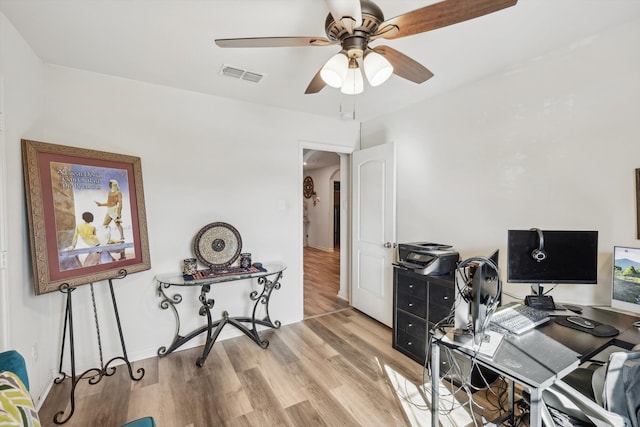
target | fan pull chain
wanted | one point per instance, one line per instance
(353, 112)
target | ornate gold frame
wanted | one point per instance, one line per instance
(61, 182)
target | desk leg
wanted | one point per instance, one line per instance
(535, 408)
(510, 395)
(435, 383)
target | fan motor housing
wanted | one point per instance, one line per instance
(372, 17)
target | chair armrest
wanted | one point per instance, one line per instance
(565, 398)
(13, 361)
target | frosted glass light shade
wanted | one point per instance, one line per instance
(335, 70)
(354, 83)
(377, 68)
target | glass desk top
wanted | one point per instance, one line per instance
(178, 280)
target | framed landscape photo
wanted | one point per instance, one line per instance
(86, 215)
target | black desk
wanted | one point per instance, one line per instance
(539, 357)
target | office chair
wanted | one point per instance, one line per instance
(615, 397)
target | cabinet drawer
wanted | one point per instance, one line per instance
(408, 324)
(413, 286)
(412, 304)
(412, 345)
(441, 295)
(441, 300)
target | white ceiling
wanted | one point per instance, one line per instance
(170, 42)
(314, 159)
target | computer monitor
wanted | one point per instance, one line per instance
(486, 291)
(542, 257)
(625, 290)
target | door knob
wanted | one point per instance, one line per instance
(388, 245)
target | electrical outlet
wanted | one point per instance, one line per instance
(34, 353)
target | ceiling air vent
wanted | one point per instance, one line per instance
(239, 73)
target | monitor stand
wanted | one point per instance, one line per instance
(539, 300)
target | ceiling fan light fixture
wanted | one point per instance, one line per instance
(353, 84)
(347, 12)
(349, 24)
(377, 68)
(335, 70)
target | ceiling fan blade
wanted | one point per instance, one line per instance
(316, 84)
(438, 15)
(404, 66)
(275, 42)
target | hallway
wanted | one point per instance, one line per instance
(322, 282)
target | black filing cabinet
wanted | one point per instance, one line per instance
(419, 302)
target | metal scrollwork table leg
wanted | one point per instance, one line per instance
(213, 328)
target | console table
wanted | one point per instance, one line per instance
(268, 280)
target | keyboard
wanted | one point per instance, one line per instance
(519, 318)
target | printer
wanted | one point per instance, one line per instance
(427, 258)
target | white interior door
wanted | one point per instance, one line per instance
(374, 231)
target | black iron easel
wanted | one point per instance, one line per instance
(94, 375)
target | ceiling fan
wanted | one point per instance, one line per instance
(354, 24)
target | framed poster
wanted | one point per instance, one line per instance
(86, 215)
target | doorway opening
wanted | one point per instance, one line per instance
(322, 233)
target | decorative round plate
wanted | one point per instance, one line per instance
(217, 244)
(307, 187)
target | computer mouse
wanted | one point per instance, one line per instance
(605, 331)
(581, 321)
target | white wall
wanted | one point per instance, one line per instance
(204, 159)
(26, 318)
(550, 143)
(320, 227)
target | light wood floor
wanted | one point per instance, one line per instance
(323, 371)
(322, 282)
(337, 369)
(332, 370)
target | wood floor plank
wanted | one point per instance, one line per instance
(284, 383)
(322, 282)
(304, 341)
(304, 414)
(366, 413)
(142, 402)
(330, 409)
(220, 370)
(319, 372)
(267, 410)
(349, 346)
(241, 354)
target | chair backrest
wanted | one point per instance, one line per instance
(621, 393)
